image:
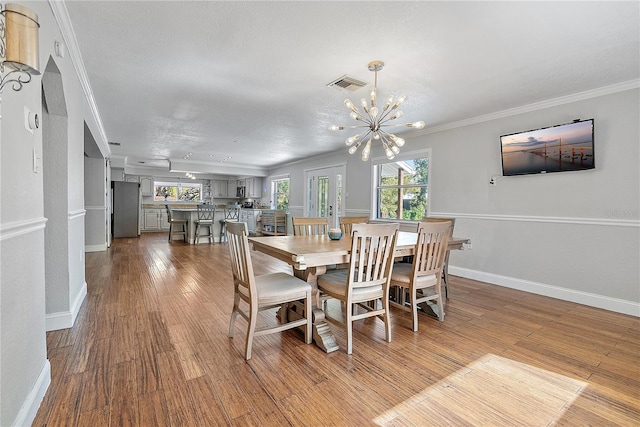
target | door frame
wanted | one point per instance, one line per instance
(336, 206)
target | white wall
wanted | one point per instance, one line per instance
(571, 235)
(94, 199)
(574, 235)
(24, 368)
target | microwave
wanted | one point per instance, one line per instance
(241, 192)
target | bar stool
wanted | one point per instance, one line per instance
(230, 214)
(222, 208)
(205, 219)
(176, 221)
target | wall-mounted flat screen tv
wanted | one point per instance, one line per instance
(560, 148)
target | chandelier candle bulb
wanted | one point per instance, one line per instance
(366, 151)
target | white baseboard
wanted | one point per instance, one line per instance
(31, 404)
(66, 319)
(631, 308)
(96, 248)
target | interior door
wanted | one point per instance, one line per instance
(324, 194)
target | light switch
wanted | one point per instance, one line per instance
(35, 162)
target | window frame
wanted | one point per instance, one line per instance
(375, 187)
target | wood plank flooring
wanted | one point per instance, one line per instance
(150, 348)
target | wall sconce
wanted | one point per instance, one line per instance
(18, 45)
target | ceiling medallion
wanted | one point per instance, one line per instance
(374, 120)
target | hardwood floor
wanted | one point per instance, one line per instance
(150, 348)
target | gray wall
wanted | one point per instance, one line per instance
(95, 178)
(24, 368)
(573, 235)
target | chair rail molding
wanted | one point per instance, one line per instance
(77, 214)
(18, 228)
(357, 212)
(614, 221)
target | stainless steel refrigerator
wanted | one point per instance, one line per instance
(125, 221)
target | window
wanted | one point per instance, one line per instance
(280, 193)
(177, 191)
(401, 188)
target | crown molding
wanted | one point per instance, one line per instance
(61, 16)
(580, 96)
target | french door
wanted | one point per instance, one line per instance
(324, 195)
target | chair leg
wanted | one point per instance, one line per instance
(251, 329)
(445, 275)
(386, 318)
(184, 231)
(234, 314)
(414, 309)
(440, 302)
(170, 230)
(308, 332)
(349, 325)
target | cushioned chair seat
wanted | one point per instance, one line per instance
(336, 283)
(402, 274)
(278, 287)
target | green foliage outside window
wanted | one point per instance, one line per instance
(408, 197)
(281, 194)
(177, 192)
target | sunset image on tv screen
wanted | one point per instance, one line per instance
(555, 149)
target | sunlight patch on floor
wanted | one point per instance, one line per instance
(492, 390)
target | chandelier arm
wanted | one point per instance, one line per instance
(384, 115)
(352, 127)
(365, 136)
(385, 137)
(406, 125)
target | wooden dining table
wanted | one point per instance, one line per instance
(311, 255)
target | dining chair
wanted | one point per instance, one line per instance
(205, 219)
(421, 280)
(310, 226)
(346, 223)
(364, 286)
(176, 222)
(445, 270)
(262, 292)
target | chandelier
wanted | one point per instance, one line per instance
(374, 120)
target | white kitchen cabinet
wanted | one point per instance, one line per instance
(146, 185)
(218, 188)
(249, 216)
(132, 178)
(232, 189)
(155, 219)
(253, 187)
(206, 191)
(164, 220)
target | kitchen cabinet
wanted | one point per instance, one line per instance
(253, 187)
(218, 188)
(249, 216)
(155, 219)
(132, 178)
(206, 191)
(146, 185)
(232, 189)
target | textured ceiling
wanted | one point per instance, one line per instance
(246, 81)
